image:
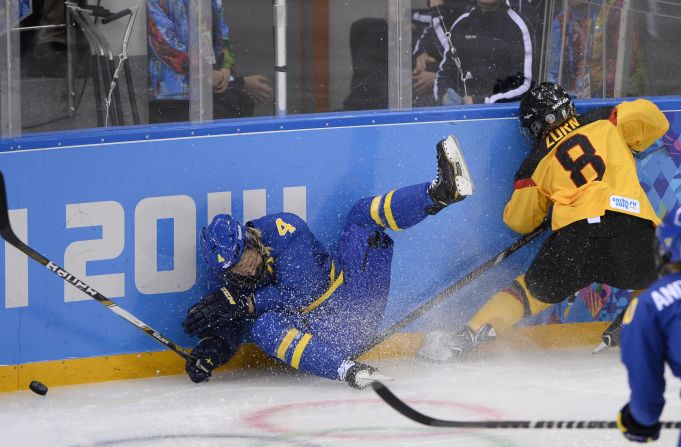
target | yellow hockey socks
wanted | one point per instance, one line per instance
(507, 307)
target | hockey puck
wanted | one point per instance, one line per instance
(38, 388)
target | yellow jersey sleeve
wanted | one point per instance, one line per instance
(640, 123)
(527, 208)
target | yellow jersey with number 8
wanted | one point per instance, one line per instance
(586, 167)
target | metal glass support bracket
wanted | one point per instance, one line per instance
(399, 54)
(280, 68)
(201, 60)
(10, 88)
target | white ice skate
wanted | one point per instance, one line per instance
(436, 347)
(359, 375)
(462, 178)
(441, 347)
(453, 182)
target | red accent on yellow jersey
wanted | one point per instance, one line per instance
(523, 183)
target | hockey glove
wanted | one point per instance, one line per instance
(210, 353)
(633, 430)
(216, 311)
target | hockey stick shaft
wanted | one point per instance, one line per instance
(9, 236)
(446, 293)
(616, 324)
(650, 151)
(401, 407)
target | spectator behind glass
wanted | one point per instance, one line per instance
(662, 30)
(50, 44)
(168, 42)
(577, 23)
(369, 50)
(590, 49)
(605, 51)
(429, 45)
(369, 53)
(494, 45)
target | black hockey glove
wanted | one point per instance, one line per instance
(216, 311)
(210, 353)
(633, 430)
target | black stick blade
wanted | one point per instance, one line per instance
(401, 407)
(6, 230)
(5, 227)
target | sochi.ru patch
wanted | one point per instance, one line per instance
(625, 204)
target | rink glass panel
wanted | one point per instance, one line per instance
(339, 56)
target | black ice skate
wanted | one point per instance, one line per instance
(611, 336)
(453, 182)
(440, 346)
(359, 375)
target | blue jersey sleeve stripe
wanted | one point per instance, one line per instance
(298, 352)
(375, 206)
(285, 343)
(388, 211)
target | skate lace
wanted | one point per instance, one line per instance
(344, 368)
(439, 172)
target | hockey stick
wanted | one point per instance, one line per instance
(650, 151)
(9, 235)
(446, 293)
(401, 407)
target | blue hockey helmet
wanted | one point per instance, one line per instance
(669, 237)
(223, 242)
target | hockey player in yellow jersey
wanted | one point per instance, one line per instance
(582, 171)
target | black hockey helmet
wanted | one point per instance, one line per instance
(543, 108)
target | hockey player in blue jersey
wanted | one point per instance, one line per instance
(308, 307)
(651, 337)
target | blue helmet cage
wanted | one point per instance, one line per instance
(223, 242)
(669, 237)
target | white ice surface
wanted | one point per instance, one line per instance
(282, 408)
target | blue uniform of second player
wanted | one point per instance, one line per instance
(651, 338)
(302, 304)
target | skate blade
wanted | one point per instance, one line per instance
(453, 151)
(381, 377)
(366, 381)
(599, 348)
(435, 348)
